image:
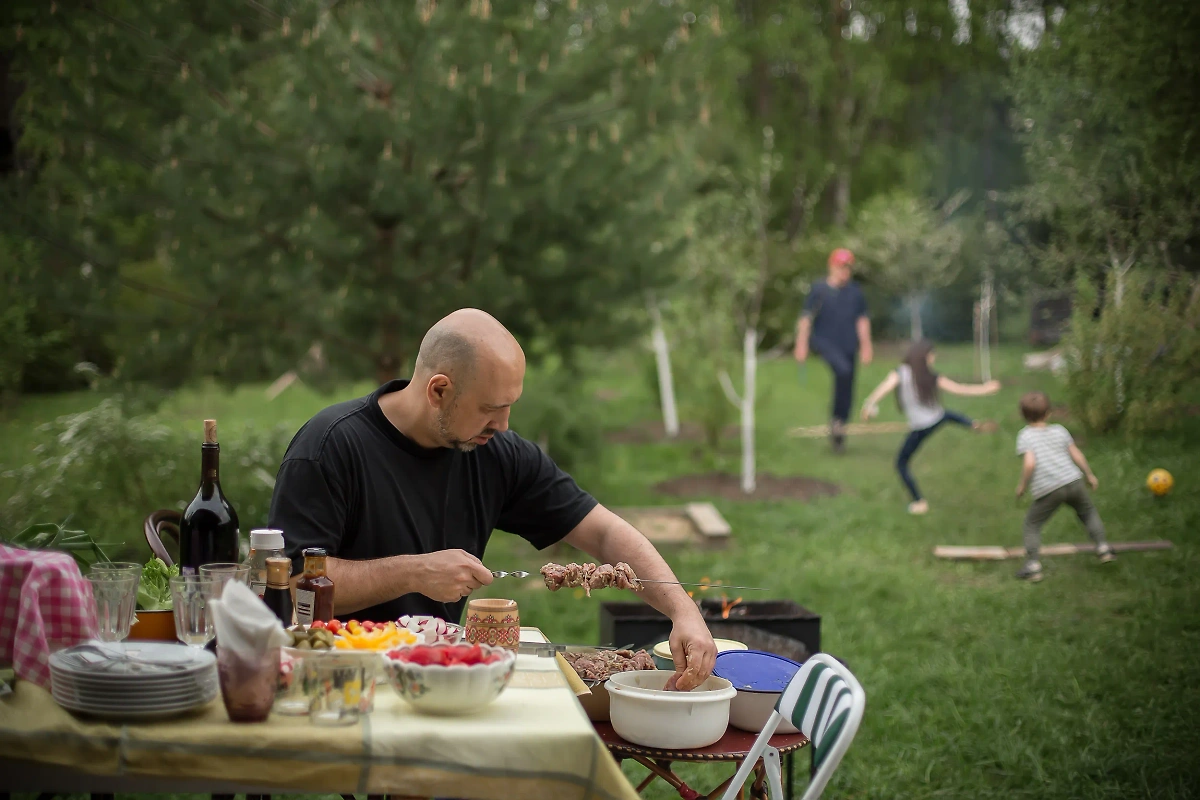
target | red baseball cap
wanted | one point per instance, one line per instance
(841, 257)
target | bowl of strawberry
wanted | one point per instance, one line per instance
(450, 678)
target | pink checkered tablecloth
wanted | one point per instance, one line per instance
(45, 605)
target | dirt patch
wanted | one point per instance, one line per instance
(653, 431)
(728, 487)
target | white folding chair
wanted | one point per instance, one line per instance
(826, 703)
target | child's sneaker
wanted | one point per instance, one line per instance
(918, 507)
(1032, 571)
(986, 426)
(1105, 553)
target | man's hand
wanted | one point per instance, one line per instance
(694, 652)
(992, 386)
(866, 354)
(450, 575)
(1020, 490)
(868, 411)
(1093, 481)
(801, 351)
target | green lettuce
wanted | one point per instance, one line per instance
(154, 592)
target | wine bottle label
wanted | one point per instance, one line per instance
(305, 602)
(259, 587)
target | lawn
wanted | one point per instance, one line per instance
(1084, 686)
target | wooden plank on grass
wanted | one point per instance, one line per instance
(852, 429)
(708, 520)
(997, 553)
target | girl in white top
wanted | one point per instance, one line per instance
(917, 387)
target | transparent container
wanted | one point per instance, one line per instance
(248, 685)
(264, 543)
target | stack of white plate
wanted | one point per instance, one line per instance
(134, 681)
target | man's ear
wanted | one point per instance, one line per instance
(438, 391)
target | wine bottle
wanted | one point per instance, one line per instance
(208, 532)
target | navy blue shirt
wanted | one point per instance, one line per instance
(835, 314)
(353, 484)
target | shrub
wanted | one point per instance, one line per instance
(558, 413)
(1131, 366)
(106, 468)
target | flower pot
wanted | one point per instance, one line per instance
(154, 626)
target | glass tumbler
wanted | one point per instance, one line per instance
(222, 573)
(248, 683)
(127, 568)
(193, 617)
(115, 595)
(335, 689)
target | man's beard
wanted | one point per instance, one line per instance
(464, 446)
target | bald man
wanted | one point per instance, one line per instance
(403, 488)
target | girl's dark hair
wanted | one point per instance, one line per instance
(924, 379)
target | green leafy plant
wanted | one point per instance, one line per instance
(54, 536)
(1131, 367)
(154, 591)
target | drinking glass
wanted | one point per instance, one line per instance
(118, 568)
(190, 595)
(115, 595)
(335, 689)
(224, 572)
(248, 683)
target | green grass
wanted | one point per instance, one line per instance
(1084, 686)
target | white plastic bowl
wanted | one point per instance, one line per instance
(436, 689)
(749, 711)
(643, 713)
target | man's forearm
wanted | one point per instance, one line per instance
(802, 330)
(620, 541)
(362, 584)
(864, 332)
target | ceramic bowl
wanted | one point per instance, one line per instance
(643, 713)
(437, 689)
(431, 630)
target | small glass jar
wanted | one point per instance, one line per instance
(264, 543)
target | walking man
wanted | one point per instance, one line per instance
(835, 326)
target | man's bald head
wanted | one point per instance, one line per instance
(458, 343)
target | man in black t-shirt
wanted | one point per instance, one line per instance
(404, 487)
(835, 315)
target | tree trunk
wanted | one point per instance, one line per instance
(749, 378)
(914, 317)
(666, 383)
(841, 197)
(387, 368)
(986, 301)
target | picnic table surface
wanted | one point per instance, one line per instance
(534, 741)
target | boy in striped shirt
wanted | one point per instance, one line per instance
(1053, 469)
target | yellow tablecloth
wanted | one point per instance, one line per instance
(533, 742)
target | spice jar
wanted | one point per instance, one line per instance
(264, 543)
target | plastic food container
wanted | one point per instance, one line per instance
(759, 678)
(662, 651)
(643, 713)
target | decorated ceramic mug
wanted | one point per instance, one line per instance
(493, 621)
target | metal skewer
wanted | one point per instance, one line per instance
(707, 585)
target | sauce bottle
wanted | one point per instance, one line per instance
(278, 594)
(314, 592)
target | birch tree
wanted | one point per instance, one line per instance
(909, 247)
